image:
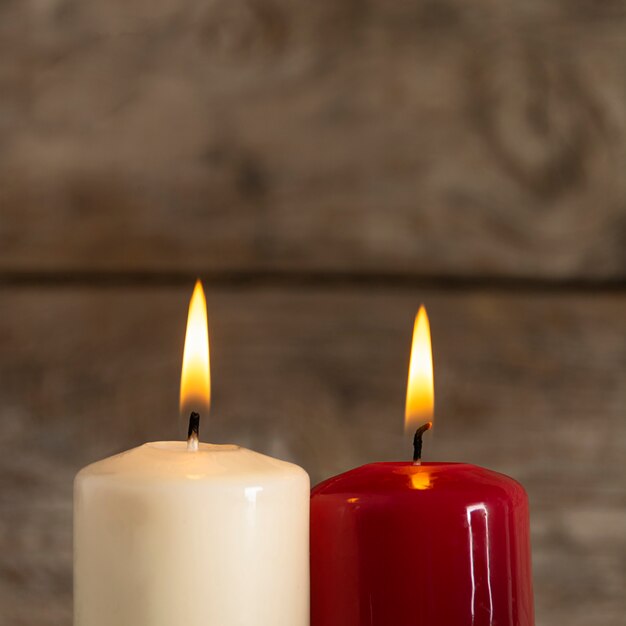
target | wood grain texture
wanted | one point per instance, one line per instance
(531, 386)
(429, 138)
(370, 141)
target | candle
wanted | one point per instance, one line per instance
(191, 533)
(420, 544)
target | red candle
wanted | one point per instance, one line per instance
(412, 544)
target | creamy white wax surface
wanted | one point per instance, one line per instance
(165, 536)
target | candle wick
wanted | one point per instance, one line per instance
(417, 442)
(192, 434)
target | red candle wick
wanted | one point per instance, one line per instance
(417, 442)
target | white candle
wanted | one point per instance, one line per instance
(187, 534)
(168, 537)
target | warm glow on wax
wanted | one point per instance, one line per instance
(420, 395)
(195, 380)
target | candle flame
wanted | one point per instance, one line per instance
(195, 379)
(420, 394)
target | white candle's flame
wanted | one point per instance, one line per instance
(195, 380)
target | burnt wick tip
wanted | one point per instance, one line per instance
(193, 432)
(417, 441)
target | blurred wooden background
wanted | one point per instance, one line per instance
(325, 167)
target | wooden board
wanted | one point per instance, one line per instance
(428, 138)
(531, 386)
(328, 166)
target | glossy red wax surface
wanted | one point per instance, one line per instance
(440, 544)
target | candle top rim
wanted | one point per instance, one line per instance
(176, 447)
(165, 461)
(404, 477)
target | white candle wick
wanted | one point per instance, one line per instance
(192, 434)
